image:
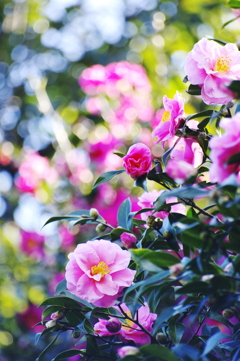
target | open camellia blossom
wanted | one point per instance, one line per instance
(180, 170)
(225, 147)
(129, 330)
(213, 67)
(98, 271)
(189, 151)
(171, 118)
(138, 160)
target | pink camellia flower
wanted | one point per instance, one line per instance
(129, 330)
(171, 119)
(213, 67)
(128, 239)
(138, 160)
(188, 150)
(67, 238)
(147, 199)
(32, 244)
(223, 148)
(97, 272)
(179, 170)
(127, 351)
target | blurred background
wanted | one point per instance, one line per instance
(58, 133)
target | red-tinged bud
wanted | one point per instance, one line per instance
(113, 325)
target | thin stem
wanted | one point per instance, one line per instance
(138, 324)
(198, 328)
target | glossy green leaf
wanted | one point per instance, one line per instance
(105, 177)
(159, 351)
(67, 354)
(123, 214)
(194, 90)
(61, 301)
(61, 287)
(213, 341)
(146, 259)
(175, 332)
(43, 353)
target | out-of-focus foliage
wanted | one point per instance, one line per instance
(50, 147)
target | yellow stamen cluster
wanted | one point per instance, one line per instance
(101, 268)
(222, 64)
(165, 117)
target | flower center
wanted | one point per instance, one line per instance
(128, 323)
(165, 117)
(101, 268)
(222, 64)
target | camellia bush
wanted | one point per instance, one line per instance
(162, 284)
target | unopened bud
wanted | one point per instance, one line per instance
(94, 213)
(150, 221)
(76, 334)
(113, 325)
(228, 313)
(50, 323)
(157, 223)
(100, 228)
(128, 239)
(207, 278)
(127, 351)
(161, 338)
(58, 315)
(167, 234)
(176, 269)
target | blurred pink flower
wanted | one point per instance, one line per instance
(171, 118)
(67, 238)
(30, 317)
(129, 330)
(189, 151)
(223, 148)
(212, 67)
(32, 244)
(32, 171)
(98, 271)
(138, 160)
(147, 199)
(179, 170)
(128, 239)
(127, 351)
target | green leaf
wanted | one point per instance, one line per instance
(121, 155)
(213, 341)
(194, 90)
(234, 159)
(61, 301)
(235, 85)
(60, 218)
(116, 233)
(40, 357)
(176, 331)
(75, 317)
(193, 287)
(123, 214)
(105, 177)
(204, 113)
(159, 351)
(233, 4)
(62, 286)
(230, 21)
(67, 354)
(153, 260)
(141, 182)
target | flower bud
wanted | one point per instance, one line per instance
(176, 269)
(128, 240)
(207, 278)
(58, 315)
(113, 325)
(161, 338)
(228, 313)
(100, 228)
(150, 221)
(50, 323)
(157, 223)
(76, 334)
(94, 213)
(167, 234)
(127, 351)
